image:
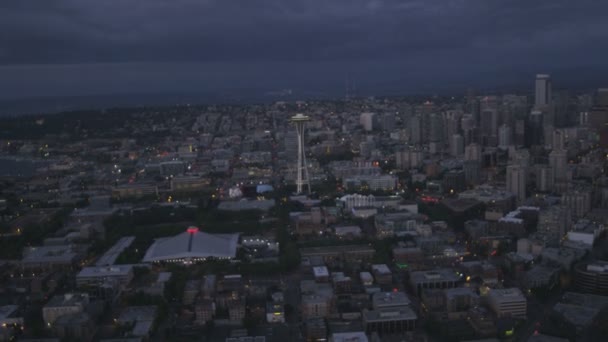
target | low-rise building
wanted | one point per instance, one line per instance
(366, 278)
(382, 274)
(541, 276)
(99, 275)
(204, 310)
(134, 191)
(507, 303)
(317, 299)
(389, 320)
(188, 184)
(357, 336)
(321, 274)
(586, 231)
(315, 329)
(434, 279)
(51, 257)
(74, 326)
(236, 310)
(331, 254)
(61, 305)
(381, 300)
(275, 312)
(10, 321)
(592, 277)
(579, 310)
(141, 318)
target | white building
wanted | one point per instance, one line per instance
(356, 200)
(504, 137)
(508, 302)
(191, 246)
(586, 232)
(367, 121)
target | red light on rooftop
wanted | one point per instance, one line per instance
(192, 230)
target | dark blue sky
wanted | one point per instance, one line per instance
(80, 47)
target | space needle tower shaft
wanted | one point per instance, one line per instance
(300, 120)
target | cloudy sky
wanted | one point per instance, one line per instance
(79, 47)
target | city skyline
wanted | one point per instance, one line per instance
(76, 48)
(303, 170)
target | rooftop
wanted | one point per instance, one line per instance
(546, 338)
(311, 251)
(193, 244)
(320, 271)
(487, 194)
(138, 313)
(358, 336)
(459, 291)
(109, 257)
(460, 204)
(389, 299)
(105, 271)
(381, 268)
(510, 293)
(62, 253)
(396, 313)
(443, 274)
(68, 299)
(7, 311)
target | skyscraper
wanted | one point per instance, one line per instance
(457, 145)
(542, 96)
(472, 152)
(558, 160)
(367, 121)
(504, 137)
(516, 181)
(300, 120)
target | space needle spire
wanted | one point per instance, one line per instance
(299, 120)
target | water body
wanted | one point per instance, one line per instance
(19, 167)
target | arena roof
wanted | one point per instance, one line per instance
(193, 244)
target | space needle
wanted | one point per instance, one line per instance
(299, 120)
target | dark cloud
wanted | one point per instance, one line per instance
(469, 35)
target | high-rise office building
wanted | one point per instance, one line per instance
(367, 121)
(545, 178)
(472, 171)
(504, 137)
(516, 181)
(436, 128)
(520, 132)
(457, 145)
(489, 127)
(558, 160)
(415, 126)
(534, 131)
(472, 152)
(542, 96)
(597, 117)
